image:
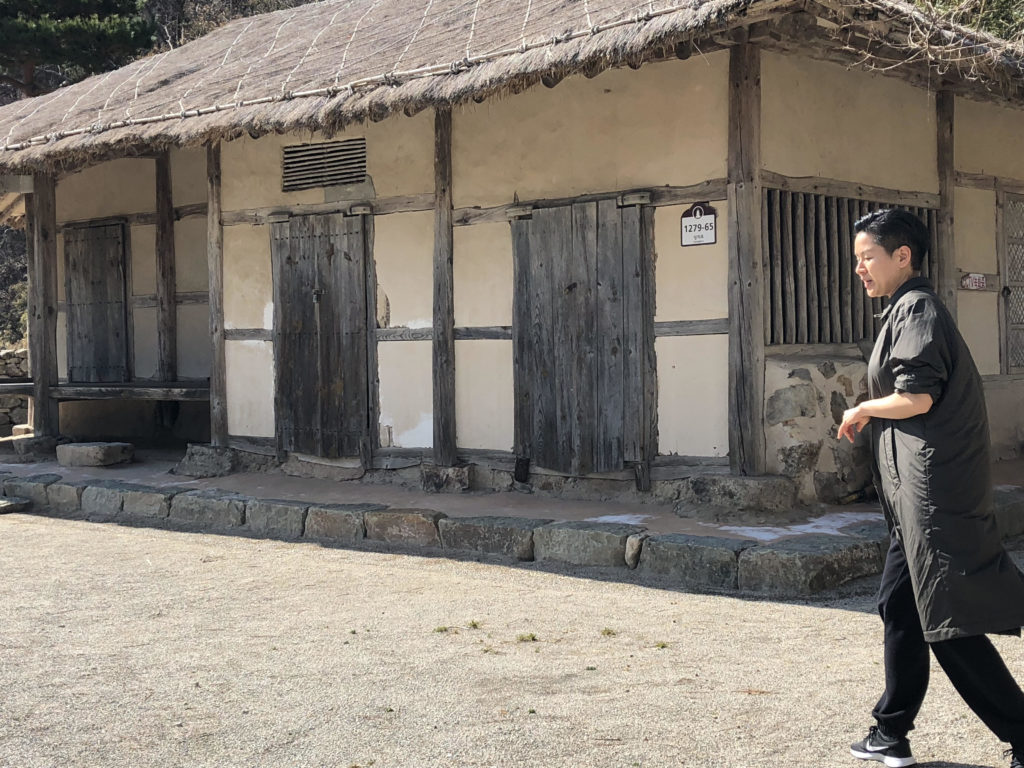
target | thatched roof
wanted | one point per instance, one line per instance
(331, 63)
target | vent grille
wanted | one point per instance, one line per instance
(326, 164)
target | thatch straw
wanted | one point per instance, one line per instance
(324, 65)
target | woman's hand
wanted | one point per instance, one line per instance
(854, 420)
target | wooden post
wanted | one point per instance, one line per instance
(215, 263)
(746, 299)
(166, 305)
(946, 279)
(42, 311)
(444, 296)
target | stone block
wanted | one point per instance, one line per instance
(634, 547)
(511, 536)
(797, 401)
(11, 504)
(145, 501)
(769, 493)
(583, 543)
(65, 497)
(409, 527)
(103, 500)
(807, 564)
(94, 454)
(206, 461)
(276, 518)
(34, 445)
(694, 562)
(338, 523)
(1008, 508)
(20, 430)
(434, 479)
(209, 509)
(32, 488)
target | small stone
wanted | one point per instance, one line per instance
(20, 416)
(584, 543)
(20, 430)
(412, 527)
(34, 445)
(510, 536)
(807, 564)
(838, 407)
(145, 501)
(338, 523)
(276, 518)
(797, 460)
(847, 384)
(800, 373)
(209, 509)
(800, 400)
(634, 546)
(11, 504)
(434, 479)
(102, 501)
(764, 493)
(65, 498)
(694, 562)
(206, 461)
(94, 454)
(32, 487)
(827, 369)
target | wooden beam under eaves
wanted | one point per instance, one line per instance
(19, 185)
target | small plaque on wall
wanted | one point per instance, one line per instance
(698, 225)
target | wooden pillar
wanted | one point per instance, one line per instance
(215, 263)
(42, 309)
(946, 282)
(444, 295)
(166, 304)
(746, 297)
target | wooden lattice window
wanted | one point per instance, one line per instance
(813, 294)
(1013, 289)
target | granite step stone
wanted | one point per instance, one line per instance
(408, 527)
(12, 504)
(338, 523)
(94, 454)
(584, 543)
(276, 518)
(694, 562)
(511, 536)
(32, 487)
(804, 565)
(209, 509)
(65, 496)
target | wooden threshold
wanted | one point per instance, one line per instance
(172, 391)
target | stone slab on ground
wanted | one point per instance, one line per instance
(408, 527)
(146, 501)
(205, 461)
(511, 536)
(32, 488)
(65, 497)
(1008, 507)
(807, 564)
(434, 479)
(11, 504)
(35, 446)
(94, 454)
(767, 493)
(276, 518)
(697, 562)
(103, 500)
(584, 543)
(210, 509)
(21, 430)
(338, 523)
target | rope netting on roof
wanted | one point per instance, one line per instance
(325, 64)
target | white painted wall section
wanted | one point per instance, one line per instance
(691, 283)
(983, 136)
(403, 249)
(248, 277)
(693, 387)
(484, 404)
(483, 275)
(250, 387)
(406, 393)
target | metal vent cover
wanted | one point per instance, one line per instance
(324, 164)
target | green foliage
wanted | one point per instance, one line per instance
(13, 287)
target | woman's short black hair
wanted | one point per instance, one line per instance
(895, 227)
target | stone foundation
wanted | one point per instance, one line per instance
(13, 408)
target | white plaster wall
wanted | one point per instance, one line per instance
(142, 246)
(483, 275)
(188, 175)
(145, 342)
(190, 270)
(666, 123)
(974, 230)
(250, 387)
(406, 392)
(693, 386)
(978, 320)
(113, 188)
(484, 404)
(821, 119)
(987, 138)
(248, 277)
(399, 159)
(195, 347)
(403, 249)
(691, 283)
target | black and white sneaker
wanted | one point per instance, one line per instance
(895, 753)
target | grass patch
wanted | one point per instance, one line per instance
(609, 632)
(441, 629)
(527, 637)
(661, 644)
(474, 624)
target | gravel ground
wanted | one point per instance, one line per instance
(138, 647)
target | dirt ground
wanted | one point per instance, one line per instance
(124, 646)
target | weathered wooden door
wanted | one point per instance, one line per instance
(320, 335)
(95, 290)
(583, 336)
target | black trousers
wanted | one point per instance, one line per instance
(972, 664)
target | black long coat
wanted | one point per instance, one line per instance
(933, 472)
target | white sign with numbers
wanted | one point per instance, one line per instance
(698, 225)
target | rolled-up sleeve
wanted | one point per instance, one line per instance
(919, 358)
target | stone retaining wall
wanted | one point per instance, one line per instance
(13, 408)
